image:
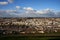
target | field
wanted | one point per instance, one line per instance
(31, 37)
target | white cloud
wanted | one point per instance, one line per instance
(48, 10)
(17, 7)
(30, 12)
(10, 11)
(40, 12)
(7, 11)
(28, 8)
(10, 1)
(3, 3)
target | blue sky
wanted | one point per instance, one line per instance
(30, 8)
(35, 4)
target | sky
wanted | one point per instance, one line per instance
(40, 5)
(35, 4)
